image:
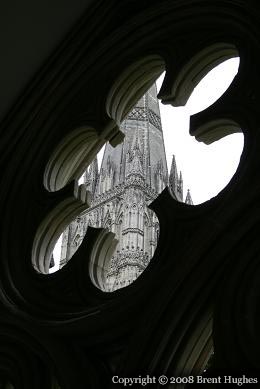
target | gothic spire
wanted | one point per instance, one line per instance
(143, 145)
(131, 176)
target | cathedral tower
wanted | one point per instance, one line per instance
(131, 176)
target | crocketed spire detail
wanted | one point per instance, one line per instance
(130, 178)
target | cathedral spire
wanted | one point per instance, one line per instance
(143, 136)
(130, 178)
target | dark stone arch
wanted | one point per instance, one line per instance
(71, 90)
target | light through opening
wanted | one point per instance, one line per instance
(206, 169)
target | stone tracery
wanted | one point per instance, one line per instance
(216, 244)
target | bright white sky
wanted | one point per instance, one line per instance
(206, 169)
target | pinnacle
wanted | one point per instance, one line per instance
(188, 199)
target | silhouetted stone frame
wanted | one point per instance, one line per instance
(62, 323)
